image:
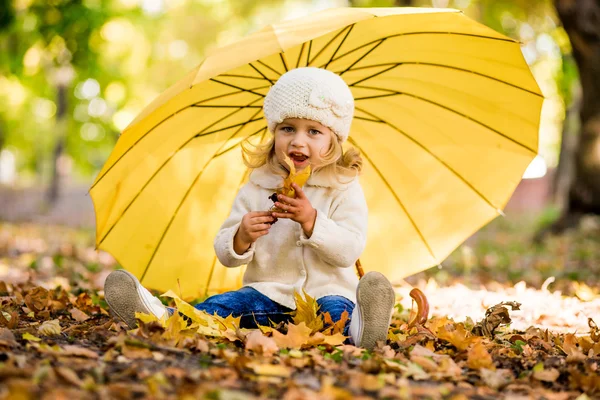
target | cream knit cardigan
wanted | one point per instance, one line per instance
(285, 260)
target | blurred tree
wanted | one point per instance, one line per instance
(7, 17)
(73, 73)
(581, 20)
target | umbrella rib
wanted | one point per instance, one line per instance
(362, 57)
(268, 66)
(185, 196)
(308, 54)
(283, 62)
(212, 268)
(241, 126)
(216, 106)
(260, 72)
(424, 33)
(326, 46)
(237, 87)
(451, 110)
(300, 55)
(243, 76)
(423, 147)
(339, 46)
(400, 203)
(219, 154)
(394, 65)
(368, 119)
(166, 118)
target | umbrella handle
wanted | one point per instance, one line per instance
(359, 269)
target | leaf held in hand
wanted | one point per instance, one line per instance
(299, 178)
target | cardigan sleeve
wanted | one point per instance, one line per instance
(223, 243)
(341, 239)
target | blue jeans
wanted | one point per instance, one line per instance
(255, 308)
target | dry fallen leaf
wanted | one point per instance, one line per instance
(546, 375)
(50, 328)
(297, 335)
(494, 317)
(261, 344)
(7, 338)
(78, 351)
(78, 315)
(594, 330)
(335, 327)
(478, 357)
(570, 346)
(454, 333)
(271, 370)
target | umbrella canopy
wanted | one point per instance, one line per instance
(447, 116)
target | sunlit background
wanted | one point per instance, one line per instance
(74, 74)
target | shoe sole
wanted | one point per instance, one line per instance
(121, 295)
(376, 297)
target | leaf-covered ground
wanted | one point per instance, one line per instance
(58, 341)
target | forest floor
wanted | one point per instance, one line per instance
(538, 338)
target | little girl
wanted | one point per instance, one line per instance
(311, 242)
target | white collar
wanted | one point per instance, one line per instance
(266, 179)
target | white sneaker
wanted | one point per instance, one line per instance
(371, 317)
(125, 296)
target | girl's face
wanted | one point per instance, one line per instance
(302, 140)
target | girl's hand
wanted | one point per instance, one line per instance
(254, 225)
(298, 209)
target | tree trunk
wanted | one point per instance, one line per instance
(564, 174)
(59, 146)
(581, 20)
(403, 3)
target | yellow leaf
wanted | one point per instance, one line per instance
(335, 340)
(297, 335)
(335, 327)
(306, 311)
(297, 178)
(546, 375)
(50, 328)
(184, 308)
(478, 357)
(146, 318)
(261, 344)
(29, 337)
(271, 370)
(455, 334)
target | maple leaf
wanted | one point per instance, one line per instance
(259, 343)
(297, 335)
(335, 327)
(452, 332)
(570, 347)
(307, 311)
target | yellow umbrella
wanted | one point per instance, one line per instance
(446, 118)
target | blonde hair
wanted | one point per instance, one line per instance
(335, 162)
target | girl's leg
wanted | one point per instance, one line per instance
(335, 306)
(248, 303)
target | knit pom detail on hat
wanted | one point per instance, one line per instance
(311, 93)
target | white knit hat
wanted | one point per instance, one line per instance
(311, 93)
